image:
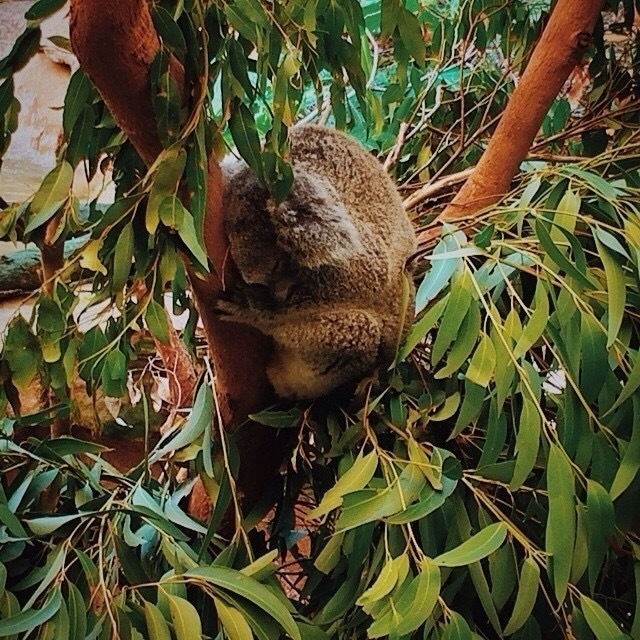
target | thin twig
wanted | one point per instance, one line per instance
(430, 190)
(397, 147)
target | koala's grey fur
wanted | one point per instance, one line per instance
(323, 272)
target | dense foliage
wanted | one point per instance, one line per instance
(485, 486)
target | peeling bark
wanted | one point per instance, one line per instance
(561, 47)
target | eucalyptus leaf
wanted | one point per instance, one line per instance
(561, 523)
(247, 587)
(527, 593)
(31, 619)
(475, 548)
(185, 618)
(51, 195)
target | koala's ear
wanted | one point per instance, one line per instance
(313, 225)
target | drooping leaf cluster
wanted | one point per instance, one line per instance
(487, 485)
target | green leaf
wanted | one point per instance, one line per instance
(75, 100)
(262, 567)
(478, 546)
(463, 346)
(169, 31)
(635, 627)
(601, 521)
(82, 137)
(32, 618)
(7, 89)
(355, 478)
(48, 524)
(122, 259)
(330, 555)
(43, 8)
(55, 563)
(428, 501)
(594, 361)
(527, 443)
(459, 301)
(420, 329)
(384, 583)
(443, 267)
(114, 374)
(192, 240)
(61, 624)
(166, 99)
(53, 192)
(411, 35)
(157, 626)
(77, 613)
(616, 292)
(558, 257)
(185, 618)
(483, 362)
(370, 505)
(561, 523)
(601, 623)
(527, 594)
(243, 130)
(631, 386)
(431, 469)
(630, 463)
(278, 419)
(537, 322)
(165, 183)
(457, 628)
(414, 604)
(172, 212)
(156, 318)
(235, 625)
(249, 588)
(25, 46)
(193, 428)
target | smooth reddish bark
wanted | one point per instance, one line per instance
(115, 42)
(561, 47)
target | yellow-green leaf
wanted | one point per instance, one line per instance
(479, 546)
(616, 292)
(414, 604)
(185, 618)
(527, 442)
(165, 183)
(483, 362)
(384, 583)
(157, 626)
(601, 623)
(355, 478)
(89, 257)
(53, 191)
(235, 625)
(526, 598)
(260, 595)
(537, 322)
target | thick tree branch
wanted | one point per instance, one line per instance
(115, 42)
(561, 47)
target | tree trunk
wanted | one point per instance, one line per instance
(115, 42)
(562, 45)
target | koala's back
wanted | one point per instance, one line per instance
(366, 190)
(323, 272)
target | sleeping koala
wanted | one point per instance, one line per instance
(322, 273)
